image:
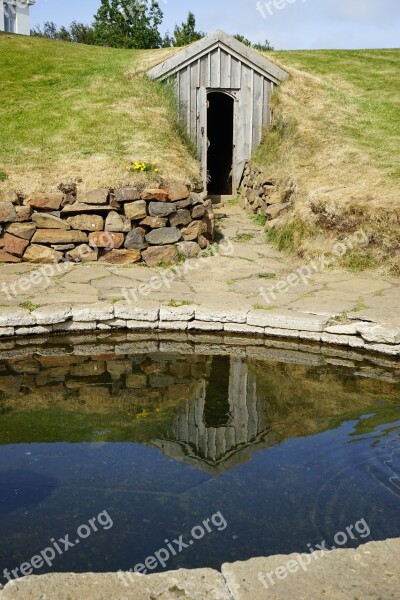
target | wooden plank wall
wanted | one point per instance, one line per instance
(221, 70)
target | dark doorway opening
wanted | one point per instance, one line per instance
(217, 408)
(220, 138)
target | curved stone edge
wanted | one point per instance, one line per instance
(197, 584)
(376, 338)
(369, 572)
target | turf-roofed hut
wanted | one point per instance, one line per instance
(223, 89)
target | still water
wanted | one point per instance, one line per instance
(286, 454)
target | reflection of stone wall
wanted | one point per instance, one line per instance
(101, 384)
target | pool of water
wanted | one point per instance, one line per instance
(277, 455)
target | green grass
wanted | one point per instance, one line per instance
(356, 262)
(367, 83)
(72, 110)
(45, 426)
(259, 220)
(263, 307)
(287, 238)
(29, 306)
(283, 129)
(360, 305)
(243, 238)
(178, 303)
(343, 318)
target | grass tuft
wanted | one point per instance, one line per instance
(29, 306)
(356, 262)
(243, 238)
(177, 304)
(258, 220)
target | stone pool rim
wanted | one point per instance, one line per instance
(327, 329)
(368, 571)
(357, 335)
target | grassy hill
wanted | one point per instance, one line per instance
(70, 111)
(336, 136)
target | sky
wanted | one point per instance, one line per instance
(287, 24)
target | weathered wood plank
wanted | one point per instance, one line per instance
(215, 79)
(266, 104)
(194, 76)
(243, 149)
(198, 73)
(202, 146)
(203, 77)
(184, 98)
(235, 73)
(258, 99)
(219, 67)
(251, 110)
(225, 70)
(235, 175)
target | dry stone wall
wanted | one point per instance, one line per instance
(120, 226)
(260, 195)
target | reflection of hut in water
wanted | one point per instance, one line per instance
(224, 425)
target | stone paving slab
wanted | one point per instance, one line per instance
(245, 283)
(199, 584)
(369, 573)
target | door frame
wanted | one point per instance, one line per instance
(202, 132)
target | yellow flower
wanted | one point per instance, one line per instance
(143, 414)
(156, 170)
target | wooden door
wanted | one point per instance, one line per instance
(235, 176)
(202, 137)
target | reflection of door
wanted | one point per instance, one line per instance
(220, 113)
(217, 410)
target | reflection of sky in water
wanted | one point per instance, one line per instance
(224, 450)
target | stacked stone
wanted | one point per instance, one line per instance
(259, 194)
(120, 226)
